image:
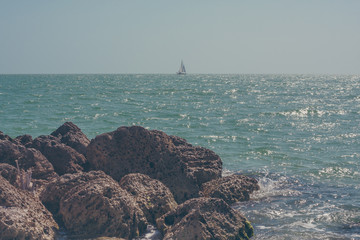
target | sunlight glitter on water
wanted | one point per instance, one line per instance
(297, 134)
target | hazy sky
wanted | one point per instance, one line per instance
(143, 36)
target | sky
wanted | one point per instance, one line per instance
(210, 36)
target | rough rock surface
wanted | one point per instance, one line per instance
(56, 189)
(23, 139)
(204, 218)
(71, 135)
(64, 158)
(169, 159)
(234, 188)
(99, 207)
(152, 196)
(28, 158)
(3, 136)
(9, 173)
(22, 216)
(152, 169)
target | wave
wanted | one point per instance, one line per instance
(304, 112)
(290, 208)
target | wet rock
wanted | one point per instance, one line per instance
(64, 158)
(167, 158)
(28, 158)
(204, 218)
(22, 216)
(71, 135)
(152, 196)
(234, 188)
(99, 207)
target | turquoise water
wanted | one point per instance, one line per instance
(299, 135)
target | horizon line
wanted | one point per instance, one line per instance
(176, 74)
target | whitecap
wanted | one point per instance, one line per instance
(309, 224)
(338, 172)
(151, 234)
(272, 188)
(204, 124)
(98, 115)
(353, 155)
(183, 116)
(303, 113)
(226, 172)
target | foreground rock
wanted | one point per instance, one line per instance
(56, 189)
(169, 159)
(234, 188)
(93, 204)
(29, 159)
(64, 158)
(100, 207)
(204, 218)
(152, 196)
(22, 216)
(71, 135)
(153, 170)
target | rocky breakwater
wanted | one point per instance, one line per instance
(169, 159)
(115, 185)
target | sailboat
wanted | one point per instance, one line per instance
(181, 69)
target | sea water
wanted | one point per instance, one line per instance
(299, 135)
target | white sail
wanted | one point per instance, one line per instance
(182, 68)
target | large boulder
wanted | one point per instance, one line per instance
(152, 196)
(92, 203)
(204, 218)
(64, 158)
(167, 158)
(57, 188)
(22, 216)
(71, 135)
(29, 159)
(99, 207)
(233, 188)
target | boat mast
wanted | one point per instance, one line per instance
(182, 68)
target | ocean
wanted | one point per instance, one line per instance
(299, 135)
